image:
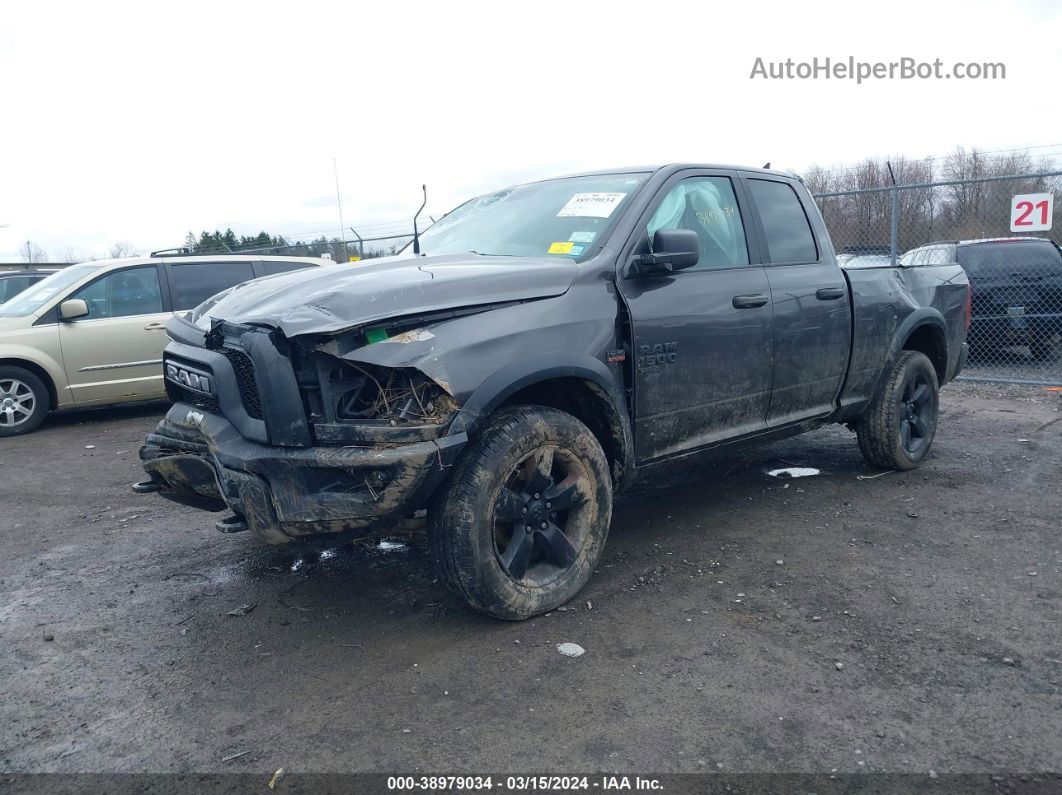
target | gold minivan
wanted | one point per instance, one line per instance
(92, 334)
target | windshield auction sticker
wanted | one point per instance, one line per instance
(591, 205)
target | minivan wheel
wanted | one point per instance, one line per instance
(23, 401)
(521, 523)
(897, 429)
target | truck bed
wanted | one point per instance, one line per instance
(886, 301)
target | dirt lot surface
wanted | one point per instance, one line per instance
(739, 622)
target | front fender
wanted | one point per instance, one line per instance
(14, 354)
(606, 402)
(510, 379)
(481, 360)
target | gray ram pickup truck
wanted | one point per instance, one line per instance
(533, 350)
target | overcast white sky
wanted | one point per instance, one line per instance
(137, 122)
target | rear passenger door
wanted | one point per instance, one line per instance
(812, 312)
(702, 336)
(193, 282)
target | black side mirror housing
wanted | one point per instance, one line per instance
(673, 250)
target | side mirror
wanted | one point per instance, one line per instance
(73, 309)
(673, 250)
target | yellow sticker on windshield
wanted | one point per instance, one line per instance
(560, 248)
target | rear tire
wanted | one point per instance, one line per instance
(24, 401)
(897, 428)
(521, 523)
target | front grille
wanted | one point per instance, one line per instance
(243, 367)
(180, 394)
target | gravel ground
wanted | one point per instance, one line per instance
(737, 623)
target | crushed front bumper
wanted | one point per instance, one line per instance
(283, 493)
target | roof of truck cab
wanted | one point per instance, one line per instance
(676, 167)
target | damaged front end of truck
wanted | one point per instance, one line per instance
(306, 423)
(292, 437)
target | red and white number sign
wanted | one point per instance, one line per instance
(1031, 212)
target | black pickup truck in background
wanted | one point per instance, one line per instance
(551, 340)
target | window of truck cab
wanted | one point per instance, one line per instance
(784, 221)
(708, 206)
(569, 217)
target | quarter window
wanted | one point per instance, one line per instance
(706, 205)
(195, 282)
(134, 291)
(939, 256)
(915, 258)
(785, 224)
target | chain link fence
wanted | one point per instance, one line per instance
(1016, 277)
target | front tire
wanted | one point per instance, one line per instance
(897, 428)
(521, 523)
(24, 401)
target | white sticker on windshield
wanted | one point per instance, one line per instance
(582, 237)
(591, 205)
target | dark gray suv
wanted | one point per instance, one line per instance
(14, 282)
(1017, 290)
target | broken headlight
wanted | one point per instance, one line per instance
(348, 392)
(399, 395)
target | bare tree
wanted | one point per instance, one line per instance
(970, 208)
(123, 248)
(72, 254)
(32, 253)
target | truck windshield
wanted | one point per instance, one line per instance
(567, 218)
(30, 300)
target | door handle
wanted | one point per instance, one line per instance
(155, 327)
(830, 293)
(749, 301)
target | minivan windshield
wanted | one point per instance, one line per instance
(568, 217)
(33, 298)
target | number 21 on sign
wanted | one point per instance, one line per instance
(1031, 212)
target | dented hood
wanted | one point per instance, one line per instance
(338, 297)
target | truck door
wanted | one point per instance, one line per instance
(702, 336)
(812, 311)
